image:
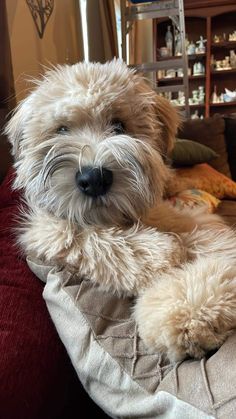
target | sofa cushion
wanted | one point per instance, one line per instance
(230, 136)
(210, 132)
(188, 153)
(204, 177)
(194, 198)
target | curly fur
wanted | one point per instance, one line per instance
(179, 265)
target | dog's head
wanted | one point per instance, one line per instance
(89, 143)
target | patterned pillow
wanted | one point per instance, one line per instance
(204, 177)
(192, 198)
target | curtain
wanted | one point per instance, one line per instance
(102, 31)
(7, 92)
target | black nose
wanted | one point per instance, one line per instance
(94, 181)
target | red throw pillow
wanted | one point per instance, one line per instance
(37, 378)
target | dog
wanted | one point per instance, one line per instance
(90, 143)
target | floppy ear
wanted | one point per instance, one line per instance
(15, 127)
(170, 120)
(163, 114)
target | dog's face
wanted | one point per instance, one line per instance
(88, 143)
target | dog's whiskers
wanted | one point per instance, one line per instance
(51, 165)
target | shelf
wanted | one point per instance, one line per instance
(206, 22)
(162, 64)
(173, 57)
(212, 105)
(232, 70)
(195, 56)
(172, 79)
(191, 106)
(224, 44)
(190, 57)
(169, 57)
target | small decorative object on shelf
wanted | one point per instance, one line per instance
(216, 39)
(180, 72)
(229, 95)
(215, 98)
(232, 36)
(232, 58)
(213, 62)
(178, 45)
(219, 65)
(195, 115)
(181, 98)
(186, 42)
(198, 69)
(223, 38)
(191, 48)
(164, 52)
(170, 74)
(201, 94)
(201, 49)
(161, 74)
(180, 101)
(169, 41)
(198, 98)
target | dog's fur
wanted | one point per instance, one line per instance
(180, 266)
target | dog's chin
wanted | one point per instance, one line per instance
(99, 212)
(103, 216)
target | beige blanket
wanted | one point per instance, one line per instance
(119, 373)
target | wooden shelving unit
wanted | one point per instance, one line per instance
(223, 104)
(220, 72)
(173, 79)
(207, 18)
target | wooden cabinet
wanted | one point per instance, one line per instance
(207, 19)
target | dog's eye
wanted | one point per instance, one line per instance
(118, 126)
(63, 129)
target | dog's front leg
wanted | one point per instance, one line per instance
(192, 309)
(124, 261)
(120, 260)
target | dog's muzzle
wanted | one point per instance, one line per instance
(94, 181)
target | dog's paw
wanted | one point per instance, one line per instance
(190, 311)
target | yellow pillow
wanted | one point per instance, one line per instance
(192, 198)
(204, 177)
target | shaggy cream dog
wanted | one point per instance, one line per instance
(89, 143)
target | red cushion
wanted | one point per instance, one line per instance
(36, 378)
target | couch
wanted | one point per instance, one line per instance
(37, 377)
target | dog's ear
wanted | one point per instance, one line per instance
(164, 115)
(170, 120)
(15, 127)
